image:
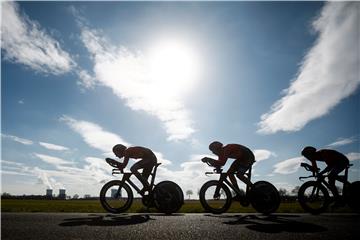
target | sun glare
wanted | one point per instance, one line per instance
(174, 66)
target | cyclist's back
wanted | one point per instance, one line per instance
(332, 157)
(238, 152)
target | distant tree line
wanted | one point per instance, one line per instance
(6, 195)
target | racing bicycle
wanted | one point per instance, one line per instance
(116, 196)
(314, 196)
(215, 195)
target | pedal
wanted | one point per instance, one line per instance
(147, 201)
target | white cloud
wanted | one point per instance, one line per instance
(18, 139)
(20, 169)
(262, 154)
(17, 164)
(86, 80)
(161, 159)
(94, 135)
(43, 177)
(53, 146)
(25, 42)
(128, 74)
(328, 74)
(98, 168)
(288, 166)
(86, 179)
(341, 142)
(353, 156)
(52, 160)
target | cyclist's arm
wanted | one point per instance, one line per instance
(207, 159)
(328, 168)
(221, 161)
(123, 165)
(314, 166)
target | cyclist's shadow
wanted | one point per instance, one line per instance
(274, 223)
(106, 220)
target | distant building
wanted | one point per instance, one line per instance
(49, 193)
(87, 196)
(62, 193)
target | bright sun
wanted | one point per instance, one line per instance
(174, 66)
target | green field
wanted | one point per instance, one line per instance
(190, 206)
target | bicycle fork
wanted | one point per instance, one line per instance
(316, 196)
(223, 177)
(125, 177)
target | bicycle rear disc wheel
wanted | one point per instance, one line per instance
(353, 196)
(168, 197)
(213, 203)
(264, 197)
(313, 197)
(116, 197)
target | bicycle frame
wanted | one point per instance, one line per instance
(223, 179)
(127, 175)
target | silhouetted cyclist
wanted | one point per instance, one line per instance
(147, 162)
(244, 158)
(336, 162)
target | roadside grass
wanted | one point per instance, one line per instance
(91, 206)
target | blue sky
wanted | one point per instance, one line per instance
(80, 77)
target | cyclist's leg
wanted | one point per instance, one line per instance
(241, 175)
(231, 173)
(134, 169)
(245, 162)
(332, 177)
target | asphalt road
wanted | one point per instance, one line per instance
(75, 226)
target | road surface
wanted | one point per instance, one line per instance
(76, 226)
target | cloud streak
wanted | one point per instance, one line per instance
(341, 142)
(94, 135)
(25, 42)
(55, 147)
(18, 139)
(353, 156)
(262, 154)
(52, 160)
(328, 74)
(288, 166)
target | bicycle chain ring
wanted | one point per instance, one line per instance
(148, 201)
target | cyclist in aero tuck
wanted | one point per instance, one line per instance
(244, 158)
(336, 162)
(147, 162)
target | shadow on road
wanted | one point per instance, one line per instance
(106, 220)
(273, 223)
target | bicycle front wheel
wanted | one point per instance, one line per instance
(313, 197)
(215, 197)
(116, 197)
